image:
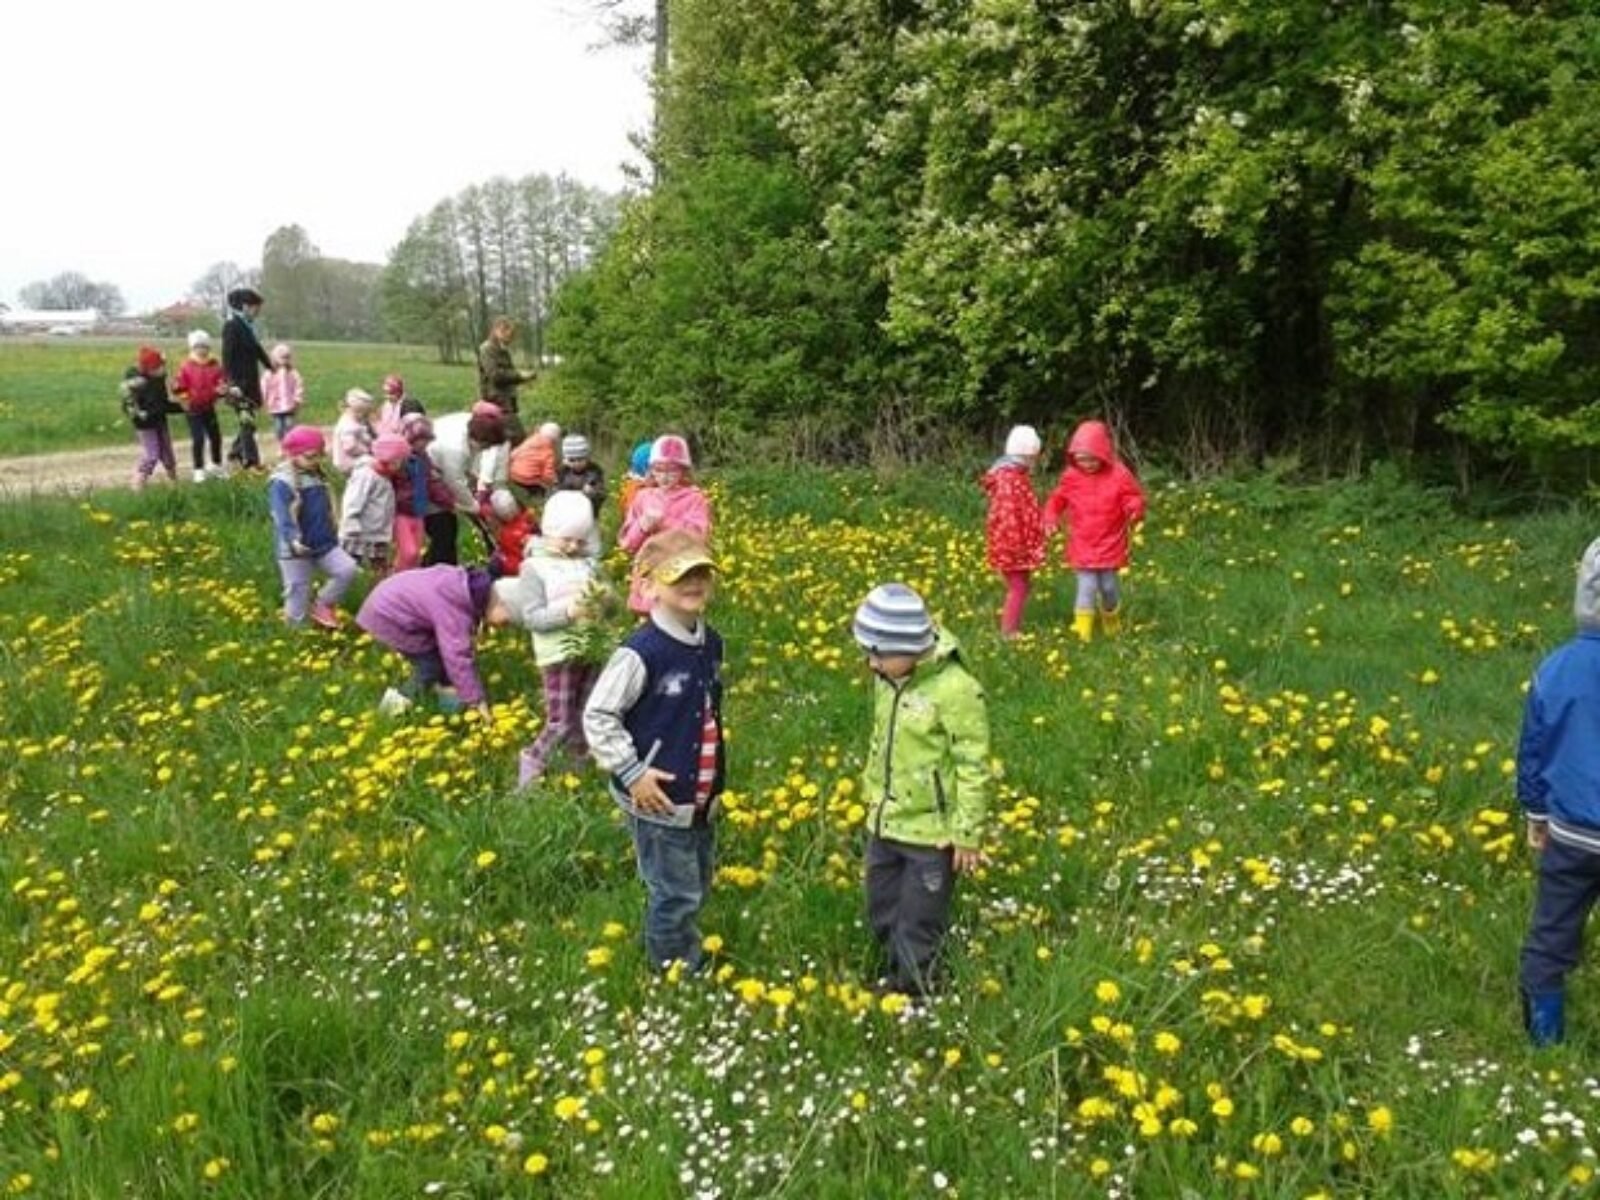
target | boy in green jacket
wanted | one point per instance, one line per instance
(926, 784)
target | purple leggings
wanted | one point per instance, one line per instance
(155, 445)
(338, 566)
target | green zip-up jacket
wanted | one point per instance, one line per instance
(927, 780)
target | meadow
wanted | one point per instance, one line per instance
(60, 394)
(1248, 927)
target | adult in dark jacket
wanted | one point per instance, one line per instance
(242, 362)
(499, 377)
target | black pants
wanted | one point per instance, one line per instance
(1569, 884)
(909, 889)
(204, 432)
(442, 529)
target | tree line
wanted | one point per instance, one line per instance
(1238, 228)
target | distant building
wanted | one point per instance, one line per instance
(63, 321)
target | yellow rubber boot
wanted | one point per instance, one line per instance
(1111, 622)
(1083, 623)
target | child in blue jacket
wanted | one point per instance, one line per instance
(306, 531)
(1558, 784)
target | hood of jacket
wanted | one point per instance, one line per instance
(1092, 437)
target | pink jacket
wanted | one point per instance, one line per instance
(656, 509)
(283, 390)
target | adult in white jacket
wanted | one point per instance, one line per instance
(468, 448)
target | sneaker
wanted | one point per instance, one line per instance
(217, 471)
(325, 615)
(200, 475)
(393, 703)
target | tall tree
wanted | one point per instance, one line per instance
(211, 289)
(73, 289)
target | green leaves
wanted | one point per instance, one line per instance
(1307, 216)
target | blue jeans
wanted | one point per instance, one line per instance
(1101, 585)
(1569, 884)
(281, 424)
(675, 865)
(427, 673)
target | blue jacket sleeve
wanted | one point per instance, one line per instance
(279, 495)
(1530, 757)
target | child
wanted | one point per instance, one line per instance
(393, 409)
(283, 390)
(1101, 501)
(1558, 785)
(366, 524)
(654, 722)
(553, 594)
(1014, 535)
(145, 401)
(419, 489)
(579, 473)
(307, 540)
(638, 476)
(672, 502)
(514, 525)
(533, 460)
(199, 383)
(430, 616)
(353, 433)
(927, 781)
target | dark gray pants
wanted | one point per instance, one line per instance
(908, 906)
(1569, 884)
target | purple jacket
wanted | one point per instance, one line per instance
(430, 610)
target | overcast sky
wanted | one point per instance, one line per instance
(144, 140)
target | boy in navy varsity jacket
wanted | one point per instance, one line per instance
(654, 724)
(1558, 783)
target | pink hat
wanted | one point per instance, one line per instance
(670, 450)
(303, 439)
(487, 408)
(391, 449)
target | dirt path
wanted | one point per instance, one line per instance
(74, 471)
(69, 471)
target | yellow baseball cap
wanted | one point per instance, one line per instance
(669, 556)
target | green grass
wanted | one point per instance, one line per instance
(1275, 815)
(62, 394)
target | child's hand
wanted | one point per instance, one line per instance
(1538, 836)
(964, 860)
(299, 549)
(647, 795)
(486, 713)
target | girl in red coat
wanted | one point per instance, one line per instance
(1101, 501)
(1013, 531)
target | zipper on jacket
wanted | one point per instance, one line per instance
(888, 758)
(938, 792)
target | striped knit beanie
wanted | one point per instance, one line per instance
(574, 448)
(893, 620)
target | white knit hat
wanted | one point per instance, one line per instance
(504, 505)
(198, 338)
(567, 514)
(574, 448)
(893, 620)
(1023, 440)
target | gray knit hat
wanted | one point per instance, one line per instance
(893, 620)
(1586, 605)
(574, 447)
